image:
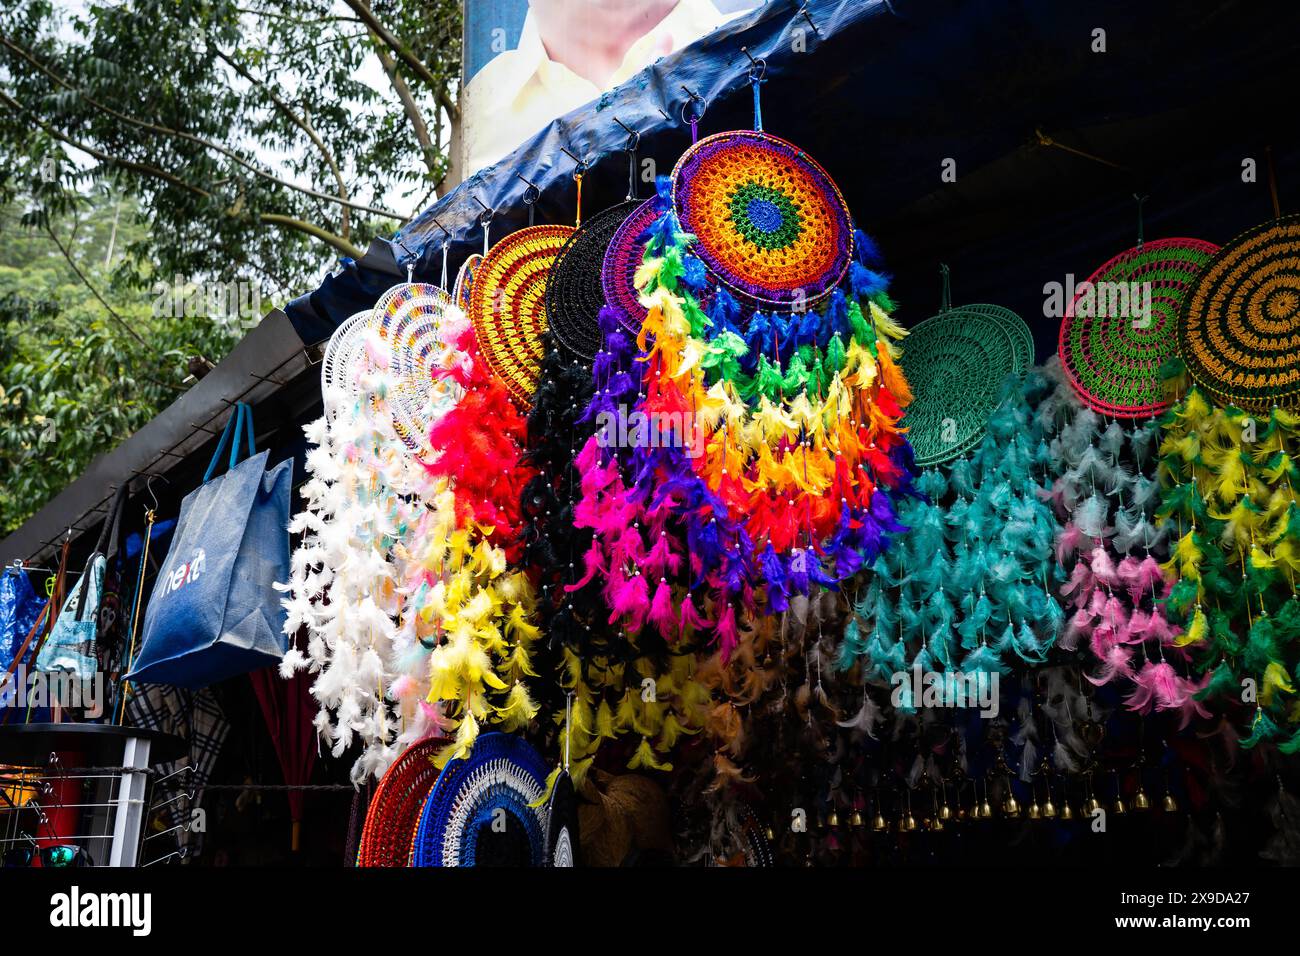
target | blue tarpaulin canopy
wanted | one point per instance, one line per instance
(1053, 116)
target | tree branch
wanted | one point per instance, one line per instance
(302, 124)
(310, 229)
(143, 168)
(367, 16)
(300, 22)
(410, 107)
(95, 292)
(200, 141)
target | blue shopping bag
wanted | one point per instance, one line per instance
(71, 647)
(19, 609)
(214, 613)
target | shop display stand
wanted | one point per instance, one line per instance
(84, 786)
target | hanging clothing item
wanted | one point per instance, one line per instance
(197, 718)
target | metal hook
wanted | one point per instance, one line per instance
(580, 163)
(148, 487)
(633, 136)
(803, 12)
(435, 221)
(488, 212)
(758, 66)
(401, 243)
(181, 854)
(533, 192)
(1140, 201)
(694, 98)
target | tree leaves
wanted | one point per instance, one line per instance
(74, 384)
(244, 129)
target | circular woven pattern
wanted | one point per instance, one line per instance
(955, 363)
(465, 281)
(1112, 345)
(395, 808)
(1239, 329)
(575, 293)
(562, 823)
(409, 320)
(623, 257)
(507, 305)
(341, 363)
(769, 222)
(758, 851)
(1022, 340)
(478, 812)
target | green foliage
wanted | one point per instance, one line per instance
(250, 141)
(74, 382)
(238, 125)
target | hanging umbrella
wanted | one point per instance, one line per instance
(288, 709)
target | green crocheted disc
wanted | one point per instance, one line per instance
(955, 364)
(1122, 325)
(1022, 340)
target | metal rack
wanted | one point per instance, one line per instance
(79, 794)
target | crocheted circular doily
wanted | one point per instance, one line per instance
(1022, 340)
(1111, 344)
(574, 290)
(562, 823)
(1239, 329)
(508, 309)
(409, 319)
(478, 811)
(622, 258)
(465, 281)
(341, 363)
(394, 812)
(955, 363)
(768, 221)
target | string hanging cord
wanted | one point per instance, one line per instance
(757, 77)
(410, 259)
(689, 119)
(446, 245)
(531, 194)
(485, 220)
(580, 170)
(630, 147)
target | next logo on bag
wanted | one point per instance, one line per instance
(183, 574)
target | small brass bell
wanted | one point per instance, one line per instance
(909, 824)
(834, 818)
(1034, 811)
(771, 834)
(855, 818)
(1067, 812)
(936, 824)
(878, 823)
(945, 813)
(1170, 804)
(1012, 807)
(985, 809)
(1093, 805)
(1140, 801)
(1118, 808)
(1049, 809)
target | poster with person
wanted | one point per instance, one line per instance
(529, 61)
